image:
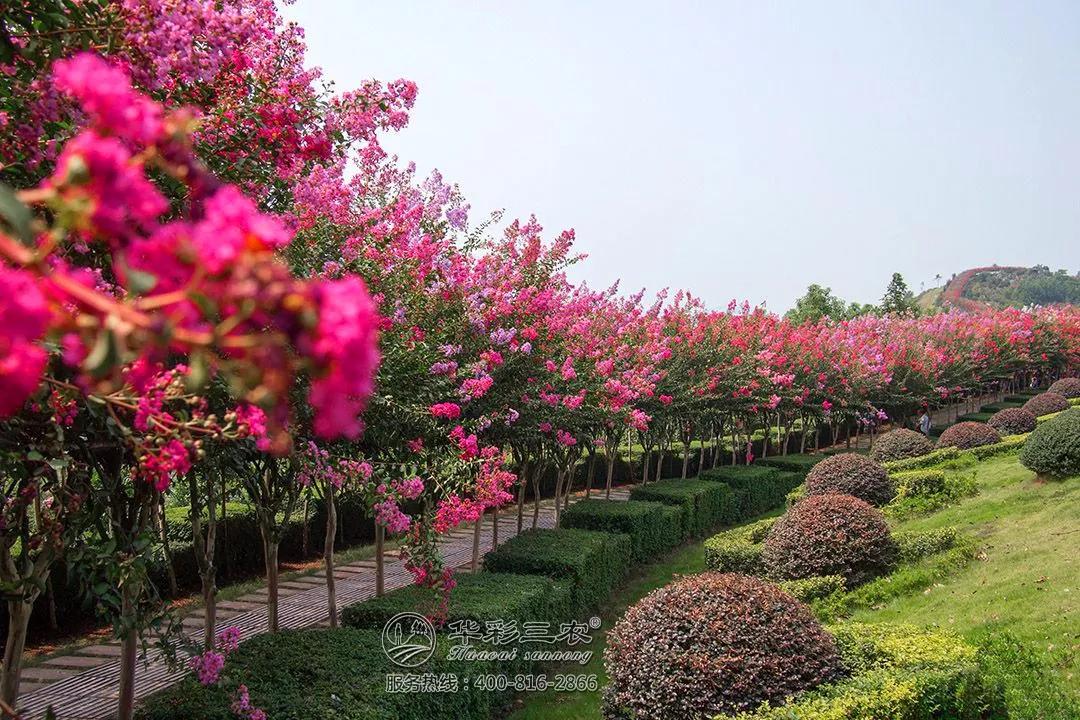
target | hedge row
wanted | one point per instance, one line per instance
(738, 550)
(900, 673)
(793, 463)
(593, 562)
(477, 598)
(1011, 443)
(757, 488)
(653, 527)
(923, 461)
(319, 674)
(705, 504)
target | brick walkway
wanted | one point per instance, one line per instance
(84, 684)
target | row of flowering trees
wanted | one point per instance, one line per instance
(214, 282)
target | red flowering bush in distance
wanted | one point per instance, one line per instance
(830, 535)
(968, 434)
(1068, 387)
(851, 474)
(1046, 403)
(900, 444)
(1012, 421)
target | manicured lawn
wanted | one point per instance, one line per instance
(1027, 578)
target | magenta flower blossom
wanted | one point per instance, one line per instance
(446, 410)
(104, 91)
(232, 224)
(346, 342)
(23, 318)
(100, 171)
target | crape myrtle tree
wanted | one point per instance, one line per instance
(118, 296)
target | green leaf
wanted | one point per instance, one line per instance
(104, 356)
(138, 281)
(17, 216)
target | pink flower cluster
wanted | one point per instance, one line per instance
(24, 315)
(242, 706)
(208, 665)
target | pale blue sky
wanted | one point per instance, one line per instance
(743, 150)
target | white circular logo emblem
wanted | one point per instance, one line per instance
(408, 639)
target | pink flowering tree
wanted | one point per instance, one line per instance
(206, 286)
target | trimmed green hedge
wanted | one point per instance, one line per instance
(1011, 443)
(981, 416)
(738, 550)
(674, 518)
(814, 588)
(915, 545)
(758, 488)
(649, 527)
(706, 504)
(919, 483)
(900, 673)
(792, 463)
(740, 473)
(322, 674)
(923, 461)
(594, 562)
(479, 597)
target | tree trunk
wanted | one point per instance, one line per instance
(521, 496)
(129, 645)
(734, 445)
(18, 619)
(328, 554)
(701, 456)
(559, 479)
(610, 472)
(475, 564)
(659, 464)
(204, 548)
(537, 472)
(270, 556)
(306, 536)
(590, 475)
(163, 533)
(380, 571)
(209, 596)
(685, 458)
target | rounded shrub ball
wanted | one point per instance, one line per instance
(969, 434)
(900, 444)
(830, 535)
(710, 644)
(1012, 421)
(1067, 387)
(1052, 450)
(1046, 403)
(851, 474)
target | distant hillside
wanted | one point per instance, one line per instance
(998, 287)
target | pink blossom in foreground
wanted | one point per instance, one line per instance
(104, 91)
(23, 318)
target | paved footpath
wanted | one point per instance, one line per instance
(83, 685)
